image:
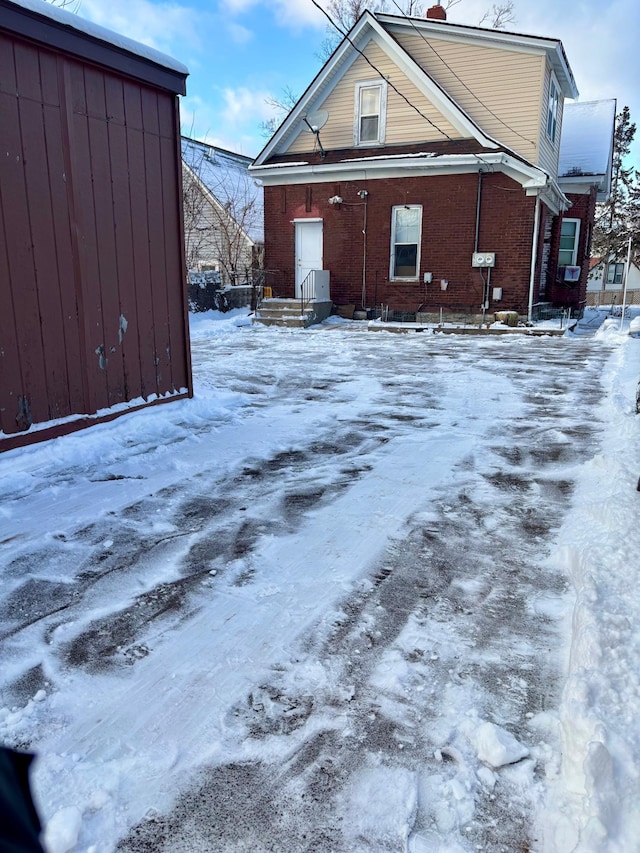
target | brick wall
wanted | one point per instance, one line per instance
(448, 235)
(582, 207)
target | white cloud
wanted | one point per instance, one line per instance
(232, 122)
(243, 103)
(238, 33)
(166, 26)
(292, 14)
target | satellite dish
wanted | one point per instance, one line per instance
(315, 120)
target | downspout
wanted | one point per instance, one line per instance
(480, 174)
(534, 257)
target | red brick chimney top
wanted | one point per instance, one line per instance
(438, 13)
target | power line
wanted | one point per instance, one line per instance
(462, 83)
(377, 70)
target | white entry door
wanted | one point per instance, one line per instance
(308, 250)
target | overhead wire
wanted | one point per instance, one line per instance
(377, 70)
(462, 83)
(346, 36)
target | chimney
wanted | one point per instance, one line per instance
(437, 13)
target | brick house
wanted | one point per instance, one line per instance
(420, 169)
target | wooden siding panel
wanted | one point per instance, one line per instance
(161, 337)
(8, 83)
(21, 266)
(38, 190)
(10, 370)
(94, 337)
(76, 94)
(142, 272)
(173, 260)
(102, 183)
(132, 105)
(28, 71)
(114, 100)
(64, 257)
(49, 79)
(149, 100)
(128, 340)
(94, 93)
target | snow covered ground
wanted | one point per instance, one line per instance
(364, 592)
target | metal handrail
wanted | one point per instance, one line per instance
(302, 289)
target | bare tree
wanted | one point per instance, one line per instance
(499, 15)
(283, 106)
(69, 5)
(222, 214)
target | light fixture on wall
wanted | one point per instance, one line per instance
(335, 199)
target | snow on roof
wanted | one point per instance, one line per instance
(587, 138)
(74, 21)
(226, 175)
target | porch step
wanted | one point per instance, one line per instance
(289, 312)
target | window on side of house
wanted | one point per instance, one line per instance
(406, 230)
(569, 234)
(370, 113)
(615, 273)
(552, 109)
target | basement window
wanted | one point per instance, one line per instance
(370, 112)
(406, 230)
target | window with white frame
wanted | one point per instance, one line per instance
(370, 112)
(406, 230)
(569, 234)
(615, 273)
(552, 109)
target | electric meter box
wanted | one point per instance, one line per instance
(483, 259)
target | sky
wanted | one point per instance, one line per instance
(240, 53)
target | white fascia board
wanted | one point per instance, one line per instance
(551, 195)
(402, 166)
(498, 38)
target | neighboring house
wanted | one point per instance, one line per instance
(421, 170)
(223, 212)
(94, 317)
(606, 282)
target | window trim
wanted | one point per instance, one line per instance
(614, 267)
(382, 115)
(576, 242)
(392, 253)
(553, 108)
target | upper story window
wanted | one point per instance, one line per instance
(370, 114)
(406, 231)
(569, 233)
(552, 109)
(615, 273)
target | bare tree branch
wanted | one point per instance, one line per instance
(499, 15)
